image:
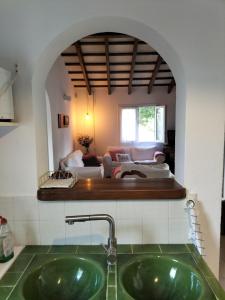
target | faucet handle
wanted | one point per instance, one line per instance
(111, 256)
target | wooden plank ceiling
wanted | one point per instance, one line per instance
(113, 60)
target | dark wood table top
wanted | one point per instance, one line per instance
(116, 189)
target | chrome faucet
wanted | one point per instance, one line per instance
(111, 248)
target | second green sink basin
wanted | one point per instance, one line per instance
(160, 278)
(65, 278)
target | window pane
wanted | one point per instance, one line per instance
(143, 124)
(128, 125)
(160, 123)
(146, 124)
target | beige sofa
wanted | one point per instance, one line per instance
(73, 162)
(145, 156)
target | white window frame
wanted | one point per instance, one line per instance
(136, 107)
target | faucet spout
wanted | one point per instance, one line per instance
(112, 242)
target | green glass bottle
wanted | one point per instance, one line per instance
(6, 241)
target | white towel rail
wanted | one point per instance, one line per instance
(195, 233)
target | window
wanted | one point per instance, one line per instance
(142, 124)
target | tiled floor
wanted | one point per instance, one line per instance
(222, 261)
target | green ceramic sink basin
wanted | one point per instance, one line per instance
(67, 278)
(160, 278)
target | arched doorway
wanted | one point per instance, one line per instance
(91, 26)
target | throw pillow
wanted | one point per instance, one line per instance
(114, 152)
(143, 153)
(116, 170)
(159, 157)
(91, 161)
(123, 157)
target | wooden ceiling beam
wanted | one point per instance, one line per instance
(138, 63)
(83, 67)
(71, 54)
(122, 78)
(154, 74)
(102, 43)
(132, 66)
(118, 71)
(171, 85)
(119, 85)
(149, 78)
(107, 64)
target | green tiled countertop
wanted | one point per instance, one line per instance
(31, 256)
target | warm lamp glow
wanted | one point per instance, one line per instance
(87, 117)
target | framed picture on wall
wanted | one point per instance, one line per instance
(66, 121)
(60, 121)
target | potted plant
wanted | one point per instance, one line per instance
(85, 141)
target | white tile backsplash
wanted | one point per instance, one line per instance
(128, 209)
(79, 234)
(25, 209)
(103, 207)
(155, 230)
(178, 231)
(129, 231)
(52, 232)
(6, 208)
(77, 208)
(99, 232)
(176, 209)
(46, 211)
(137, 221)
(155, 209)
(26, 232)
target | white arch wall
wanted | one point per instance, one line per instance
(195, 29)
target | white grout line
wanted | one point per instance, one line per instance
(50, 247)
(21, 276)
(160, 248)
(187, 247)
(132, 250)
(116, 279)
(107, 280)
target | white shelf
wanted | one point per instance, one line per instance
(7, 124)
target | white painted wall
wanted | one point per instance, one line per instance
(190, 37)
(17, 144)
(104, 122)
(58, 84)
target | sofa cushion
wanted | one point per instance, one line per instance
(74, 159)
(123, 157)
(143, 153)
(114, 152)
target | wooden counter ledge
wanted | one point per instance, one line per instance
(116, 189)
